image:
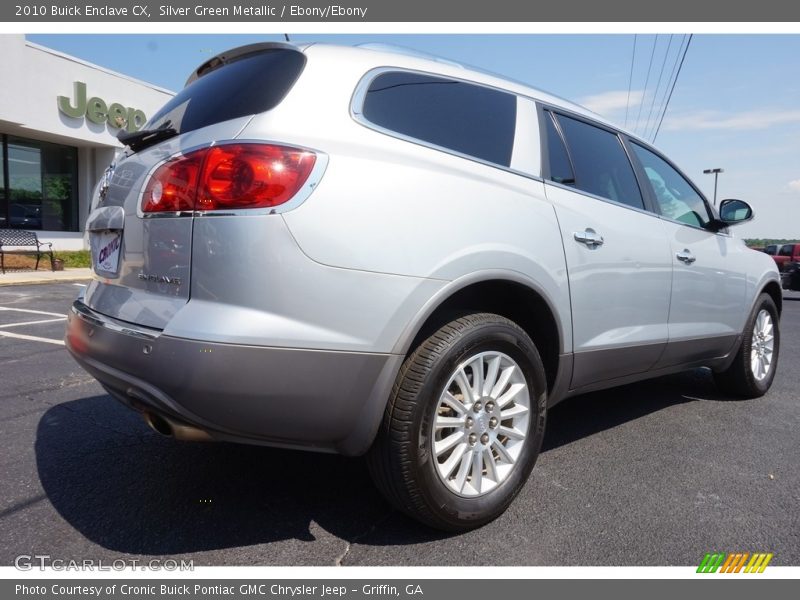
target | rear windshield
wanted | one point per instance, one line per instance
(248, 85)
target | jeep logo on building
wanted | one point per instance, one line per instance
(99, 111)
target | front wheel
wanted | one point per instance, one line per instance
(752, 371)
(464, 424)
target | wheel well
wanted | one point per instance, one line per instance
(774, 290)
(511, 300)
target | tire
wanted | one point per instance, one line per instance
(753, 369)
(414, 461)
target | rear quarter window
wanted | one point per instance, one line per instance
(466, 118)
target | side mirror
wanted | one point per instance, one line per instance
(733, 212)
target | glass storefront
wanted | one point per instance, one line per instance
(39, 185)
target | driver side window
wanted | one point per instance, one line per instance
(675, 196)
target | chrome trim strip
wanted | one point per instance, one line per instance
(570, 188)
(722, 232)
(629, 207)
(85, 313)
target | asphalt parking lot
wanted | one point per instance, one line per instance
(656, 473)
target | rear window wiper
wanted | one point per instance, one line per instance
(139, 140)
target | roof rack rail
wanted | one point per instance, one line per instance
(380, 47)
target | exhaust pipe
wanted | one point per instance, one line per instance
(174, 429)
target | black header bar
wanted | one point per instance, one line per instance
(375, 11)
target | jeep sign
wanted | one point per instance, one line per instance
(98, 111)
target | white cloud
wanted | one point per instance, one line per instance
(746, 120)
(794, 185)
(612, 102)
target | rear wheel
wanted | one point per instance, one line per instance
(753, 370)
(464, 424)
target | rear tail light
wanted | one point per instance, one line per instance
(231, 176)
(173, 186)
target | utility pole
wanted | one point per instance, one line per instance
(716, 173)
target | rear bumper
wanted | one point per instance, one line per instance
(317, 400)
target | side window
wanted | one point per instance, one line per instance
(786, 250)
(459, 116)
(601, 165)
(675, 196)
(560, 167)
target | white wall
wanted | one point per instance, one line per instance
(33, 79)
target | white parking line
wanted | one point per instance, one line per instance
(32, 322)
(32, 338)
(33, 312)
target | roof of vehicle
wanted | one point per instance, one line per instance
(370, 56)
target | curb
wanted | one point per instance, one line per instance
(40, 277)
(44, 281)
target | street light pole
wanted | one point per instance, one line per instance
(716, 173)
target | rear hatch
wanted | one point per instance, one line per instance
(142, 257)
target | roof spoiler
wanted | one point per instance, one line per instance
(236, 53)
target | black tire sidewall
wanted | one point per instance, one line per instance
(451, 507)
(760, 388)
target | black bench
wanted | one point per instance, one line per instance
(19, 241)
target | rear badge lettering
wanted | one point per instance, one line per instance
(160, 278)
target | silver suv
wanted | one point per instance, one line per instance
(369, 252)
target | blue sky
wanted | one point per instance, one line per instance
(736, 104)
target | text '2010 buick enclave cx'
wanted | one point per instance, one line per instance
(365, 251)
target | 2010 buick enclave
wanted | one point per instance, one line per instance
(369, 252)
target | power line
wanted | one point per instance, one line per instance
(630, 80)
(658, 86)
(680, 66)
(671, 75)
(671, 78)
(646, 81)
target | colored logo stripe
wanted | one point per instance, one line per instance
(733, 563)
(711, 562)
(758, 563)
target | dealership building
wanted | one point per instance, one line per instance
(59, 117)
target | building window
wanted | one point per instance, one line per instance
(39, 185)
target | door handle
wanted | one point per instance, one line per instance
(590, 237)
(686, 257)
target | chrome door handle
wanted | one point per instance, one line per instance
(590, 237)
(686, 257)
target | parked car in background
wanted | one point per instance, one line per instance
(361, 251)
(786, 255)
(22, 216)
(790, 277)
